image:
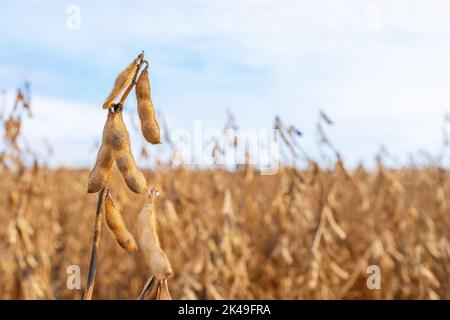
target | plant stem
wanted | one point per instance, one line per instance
(150, 290)
(93, 264)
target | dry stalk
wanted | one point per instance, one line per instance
(93, 264)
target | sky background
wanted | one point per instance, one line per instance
(379, 69)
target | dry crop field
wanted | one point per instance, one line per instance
(307, 233)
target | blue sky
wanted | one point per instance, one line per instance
(380, 69)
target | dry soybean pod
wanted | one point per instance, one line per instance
(146, 111)
(99, 176)
(117, 226)
(122, 81)
(117, 136)
(149, 241)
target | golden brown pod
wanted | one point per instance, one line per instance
(117, 136)
(100, 175)
(117, 226)
(146, 111)
(122, 81)
(149, 241)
